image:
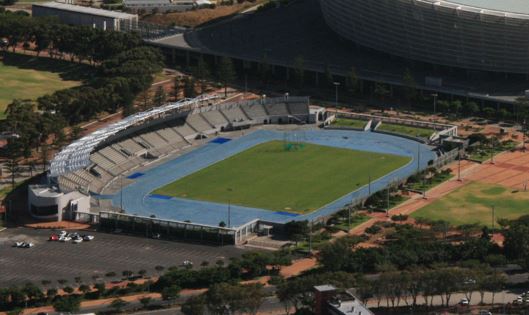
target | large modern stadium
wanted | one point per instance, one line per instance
(486, 35)
(218, 171)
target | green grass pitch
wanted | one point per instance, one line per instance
(473, 204)
(27, 77)
(268, 177)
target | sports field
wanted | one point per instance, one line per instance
(350, 123)
(27, 77)
(267, 176)
(406, 130)
(473, 203)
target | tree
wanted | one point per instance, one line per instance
(159, 97)
(381, 91)
(118, 305)
(202, 73)
(145, 301)
(171, 293)
(410, 86)
(189, 87)
(470, 109)
(176, 88)
(352, 81)
(84, 288)
(195, 305)
(252, 298)
(67, 304)
(299, 71)
(68, 290)
(226, 73)
(329, 79)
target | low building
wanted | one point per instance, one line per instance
(48, 203)
(328, 301)
(79, 15)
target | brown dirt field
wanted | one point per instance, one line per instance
(198, 17)
(298, 267)
(64, 225)
(511, 169)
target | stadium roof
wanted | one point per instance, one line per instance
(77, 155)
(507, 6)
(86, 10)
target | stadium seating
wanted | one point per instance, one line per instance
(255, 111)
(234, 114)
(215, 118)
(198, 123)
(297, 108)
(278, 109)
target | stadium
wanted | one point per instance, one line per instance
(219, 171)
(486, 35)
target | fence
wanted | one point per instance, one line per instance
(446, 158)
(165, 229)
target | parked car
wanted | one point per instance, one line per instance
(77, 240)
(88, 238)
(23, 244)
(484, 312)
(464, 302)
(54, 237)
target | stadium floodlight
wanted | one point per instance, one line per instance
(336, 85)
(434, 95)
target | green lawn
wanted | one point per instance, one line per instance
(268, 177)
(406, 130)
(350, 123)
(28, 77)
(483, 153)
(473, 204)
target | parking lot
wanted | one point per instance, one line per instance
(106, 253)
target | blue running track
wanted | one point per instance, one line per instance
(137, 198)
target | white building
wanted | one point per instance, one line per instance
(79, 15)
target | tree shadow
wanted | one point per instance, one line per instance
(65, 69)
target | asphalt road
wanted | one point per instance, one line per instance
(107, 252)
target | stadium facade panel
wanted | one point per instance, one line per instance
(436, 32)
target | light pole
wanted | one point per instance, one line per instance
(229, 207)
(491, 151)
(336, 85)
(459, 164)
(524, 130)
(493, 210)
(121, 192)
(434, 103)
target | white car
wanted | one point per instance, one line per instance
(88, 238)
(62, 233)
(187, 263)
(65, 239)
(77, 240)
(464, 302)
(24, 244)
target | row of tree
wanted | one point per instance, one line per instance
(121, 68)
(396, 287)
(226, 298)
(249, 266)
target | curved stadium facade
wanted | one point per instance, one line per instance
(486, 35)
